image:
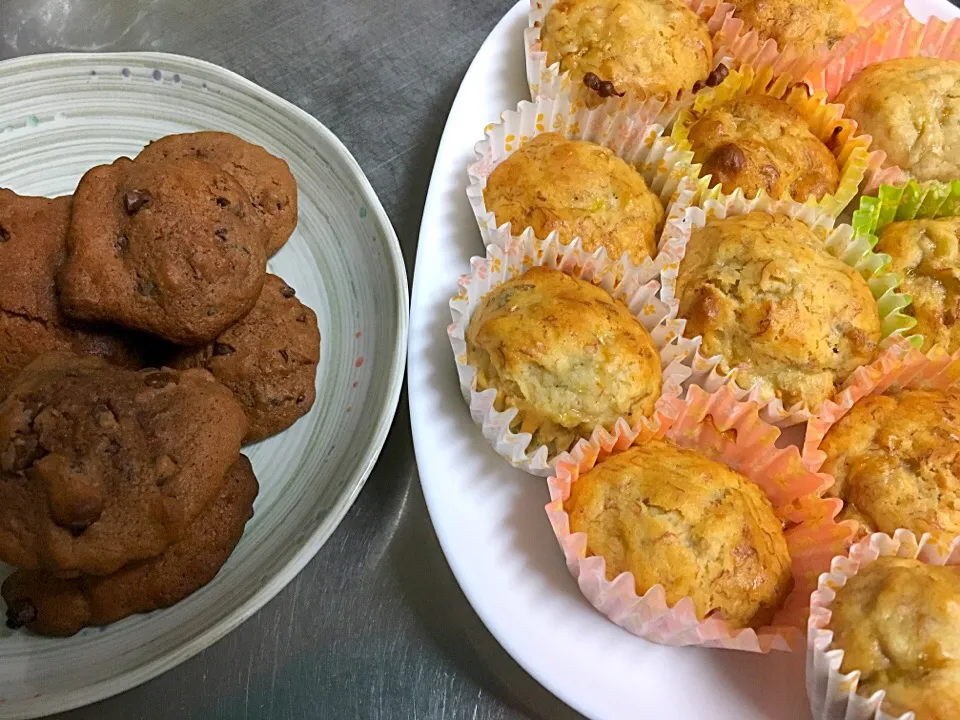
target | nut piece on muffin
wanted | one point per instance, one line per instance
(927, 254)
(911, 109)
(675, 518)
(896, 460)
(33, 234)
(776, 306)
(565, 354)
(638, 48)
(898, 623)
(807, 25)
(580, 189)
(757, 142)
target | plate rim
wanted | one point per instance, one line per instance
(148, 670)
(436, 189)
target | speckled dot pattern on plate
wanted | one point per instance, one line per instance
(60, 115)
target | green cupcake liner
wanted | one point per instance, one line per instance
(891, 204)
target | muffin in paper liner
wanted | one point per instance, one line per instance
(899, 36)
(548, 81)
(839, 240)
(744, 45)
(637, 137)
(825, 122)
(636, 288)
(704, 422)
(834, 696)
(901, 367)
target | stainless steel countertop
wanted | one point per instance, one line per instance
(375, 626)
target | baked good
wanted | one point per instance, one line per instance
(172, 248)
(766, 297)
(807, 25)
(896, 460)
(926, 254)
(33, 231)
(911, 109)
(579, 189)
(757, 142)
(565, 354)
(898, 623)
(268, 360)
(100, 466)
(675, 518)
(50, 605)
(639, 48)
(266, 178)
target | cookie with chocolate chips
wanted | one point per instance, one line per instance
(33, 233)
(267, 179)
(269, 360)
(101, 466)
(173, 248)
(49, 605)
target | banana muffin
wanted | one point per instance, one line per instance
(911, 109)
(896, 461)
(640, 48)
(807, 25)
(926, 254)
(898, 623)
(565, 354)
(756, 142)
(579, 189)
(675, 518)
(769, 300)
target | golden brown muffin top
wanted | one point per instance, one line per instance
(672, 516)
(911, 108)
(768, 298)
(757, 142)
(926, 253)
(642, 47)
(579, 189)
(566, 354)
(898, 623)
(896, 460)
(807, 25)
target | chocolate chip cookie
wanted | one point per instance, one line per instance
(101, 466)
(33, 233)
(50, 605)
(173, 248)
(265, 177)
(269, 360)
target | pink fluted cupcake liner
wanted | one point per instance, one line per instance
(839, 240)
(834, 696)
(636, 137)
(703, 422)
(636, 288)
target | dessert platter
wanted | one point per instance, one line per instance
(203, 312)
(684, 365)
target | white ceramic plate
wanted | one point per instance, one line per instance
(490, 518)
(61, 114)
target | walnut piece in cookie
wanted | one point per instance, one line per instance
(172, 248)
(268, 360)
(50, 605)
(33, 232)
(267, 178)
(101, 466)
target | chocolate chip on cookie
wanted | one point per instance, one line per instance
(172, 247)
(266, 178)
(101, 466)
(269, 360)
(33, 232)
(46, 604)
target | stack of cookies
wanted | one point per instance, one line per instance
(122, 486)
